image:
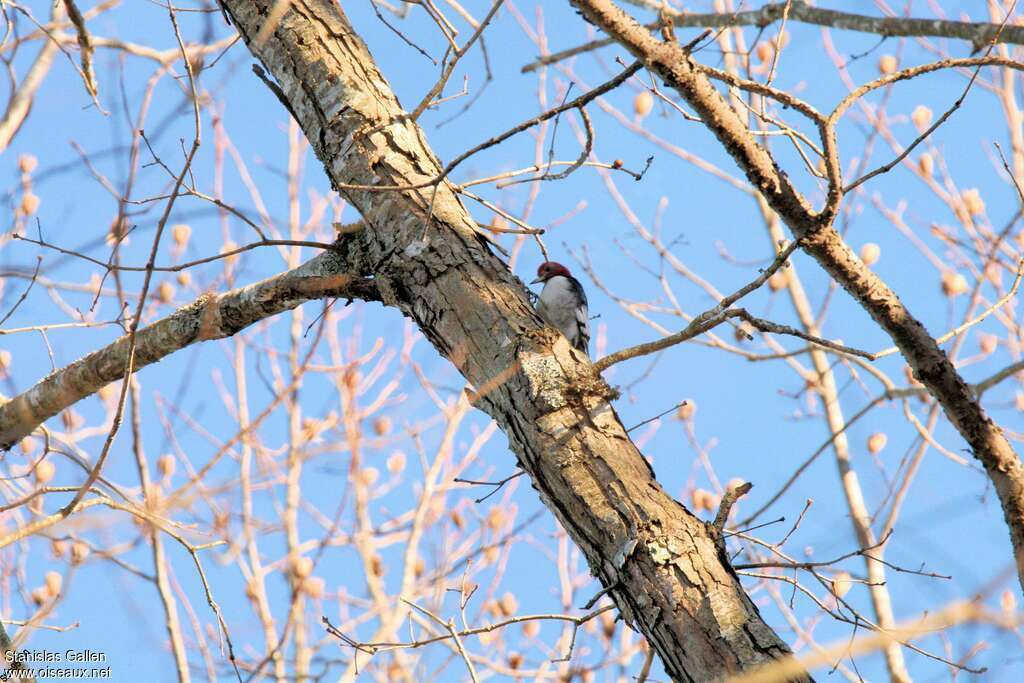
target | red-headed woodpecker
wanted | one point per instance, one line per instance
(563, 304)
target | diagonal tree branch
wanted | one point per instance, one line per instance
(930, 365)
(978, 33)
(20, 101)
(209, 317)
(665, 569)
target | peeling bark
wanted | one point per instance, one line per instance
(929, 363)
(666, 570)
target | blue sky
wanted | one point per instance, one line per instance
(755, 413)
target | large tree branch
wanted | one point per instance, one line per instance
(930, 365)
(211, 316)
(665, 569)
(978, 33)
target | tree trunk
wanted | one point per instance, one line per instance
(930, 364)
(666, 570)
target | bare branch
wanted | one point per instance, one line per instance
(208, 317)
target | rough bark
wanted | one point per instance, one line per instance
(666, 569)
(929, 363)
(211, 316)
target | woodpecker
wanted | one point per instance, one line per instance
(563, 304)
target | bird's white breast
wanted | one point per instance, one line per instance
(558, 305)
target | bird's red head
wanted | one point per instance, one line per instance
(550, 269)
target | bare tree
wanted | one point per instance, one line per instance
(672, 577)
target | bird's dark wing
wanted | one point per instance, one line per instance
(582, 318)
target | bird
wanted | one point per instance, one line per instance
(563, 304)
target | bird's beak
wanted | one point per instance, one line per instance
(533, 282)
